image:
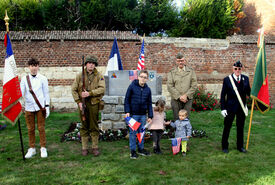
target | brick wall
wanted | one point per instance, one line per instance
(60, 56)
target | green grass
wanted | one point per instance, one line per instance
(204, 163)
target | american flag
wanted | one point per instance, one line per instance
(176, 145)
(133, 75)
(141, 58)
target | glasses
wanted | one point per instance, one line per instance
(237, 68)
(144, 77)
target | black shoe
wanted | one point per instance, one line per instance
(155, 150)
(159, 151)
(225, 151)
(242, 150)
(143, 152)
(133, 154)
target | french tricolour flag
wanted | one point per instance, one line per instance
(11, 107)
(141, 60)
(176, 145)
(140, 135)
(132, 123)
(114, 62)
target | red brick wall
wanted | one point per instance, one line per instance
(211, 65)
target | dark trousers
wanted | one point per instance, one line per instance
(228, 120)
(177, 105)
(156, 137)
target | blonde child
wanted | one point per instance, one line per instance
(157, 125)
(183, 129)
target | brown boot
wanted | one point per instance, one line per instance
(85, 152)
(84, 141)
(95, 152)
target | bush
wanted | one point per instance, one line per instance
(203, 100)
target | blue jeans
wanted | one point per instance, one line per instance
(132, 134)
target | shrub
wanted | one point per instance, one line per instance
(203, 100)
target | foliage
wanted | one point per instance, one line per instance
(205, 19)
(144, 16)
(156, 16)
(205, 163)
(203, 100)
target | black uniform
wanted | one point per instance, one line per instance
(230, 102)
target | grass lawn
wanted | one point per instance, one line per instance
(204, 163)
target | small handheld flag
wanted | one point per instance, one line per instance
(176, 145)
(132, 123)
(141, 134)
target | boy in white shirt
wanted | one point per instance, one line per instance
(36, 105)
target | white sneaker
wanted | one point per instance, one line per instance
(31, 152)
(44, 153)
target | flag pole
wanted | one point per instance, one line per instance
(6, 19)
(250, 122)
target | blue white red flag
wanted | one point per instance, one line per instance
(132, 123)
(141, 134)
(114, 62)
(141, 60)
(133, 74)
(176, 145)
(11, 107)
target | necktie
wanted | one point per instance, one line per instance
(238, 79)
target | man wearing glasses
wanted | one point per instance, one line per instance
(231, 106)
(181, 84)
(138, 102)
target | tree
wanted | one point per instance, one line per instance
(205, 19)
(156, 16)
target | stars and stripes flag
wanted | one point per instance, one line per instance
(176, 145)
(114, 62)
(133, 75)
(141, 60)
(11, 107)
(132, 123)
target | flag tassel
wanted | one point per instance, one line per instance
(250, 122)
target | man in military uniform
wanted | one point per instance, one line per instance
(181, 84)
(93, 92)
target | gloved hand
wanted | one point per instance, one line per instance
(47, 112)
(224, 113)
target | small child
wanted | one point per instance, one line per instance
(183, 129)
(157, 125)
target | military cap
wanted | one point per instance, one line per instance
(238, 64)
(179, 55)
(91, 59)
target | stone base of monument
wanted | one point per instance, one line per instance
(112, 116)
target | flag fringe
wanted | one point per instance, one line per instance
(258, 100)
(12, 123)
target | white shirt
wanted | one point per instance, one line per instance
(40, 87)
(236, 78)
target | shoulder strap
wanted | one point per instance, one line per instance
(238, 95)
(33, 94)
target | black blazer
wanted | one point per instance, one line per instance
(229, 100)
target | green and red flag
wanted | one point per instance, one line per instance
(259, 90)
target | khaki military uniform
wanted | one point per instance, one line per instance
(180, 82)
(95, 85)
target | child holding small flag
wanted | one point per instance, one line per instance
(183, 129)
(138, 101)
(157, 125)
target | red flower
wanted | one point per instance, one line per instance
(202, 105)
(204, 108)
(198, 94)
(211, 109)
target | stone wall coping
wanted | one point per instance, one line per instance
(127, 36)
(70, 35)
